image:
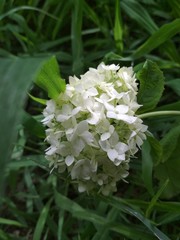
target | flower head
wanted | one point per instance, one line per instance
(93, 129)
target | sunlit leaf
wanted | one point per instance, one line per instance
(49, 78)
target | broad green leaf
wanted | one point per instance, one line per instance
(147, 166)
(118, 30)
(16, 77)
(170, 142)
(32, 126)
(156, 149)
(151, 86)
(166, 32)
(49, 78)
(175, 85)
(170, 169)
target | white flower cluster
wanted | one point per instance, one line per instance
(92, 128)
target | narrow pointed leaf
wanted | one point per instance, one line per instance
(166, 32)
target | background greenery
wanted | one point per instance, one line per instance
(82, 33)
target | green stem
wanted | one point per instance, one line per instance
(158, 113)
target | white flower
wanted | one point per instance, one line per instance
(93, 129)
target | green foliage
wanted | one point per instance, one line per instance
(169, 168)
(151, 86)
(80, 34)
(175, 85)
(49, 78)
(13, 92)
(147, 166)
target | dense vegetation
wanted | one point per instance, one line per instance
(81, 34)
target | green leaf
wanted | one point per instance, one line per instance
(41, 221)
(175, 85)
(166, 32)
(39, 100)
(156, 149)
(49, 78)
(155, 198)
(115, 202)
(138, 13)
(175, 5)
(170, 142)
(76, 36)
(118, 31)
(11, 222)
(16, 77)
(151, 86)
(32, 126)
(170, 167)
(86, 214)
(147, 166)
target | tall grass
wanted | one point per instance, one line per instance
(80, 33)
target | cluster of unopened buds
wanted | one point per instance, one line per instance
(93, 130)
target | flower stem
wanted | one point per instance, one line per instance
(158, 113)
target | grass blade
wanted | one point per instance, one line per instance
(113, 201)
(147, 166)
(41, 221)
(11, 222)
(76, 35)
(155, 198)
(118, 30)
(166, 32)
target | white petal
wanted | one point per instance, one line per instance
(69, 160)
(121, 157)
(87, 137)
(126, 118)
(121, 147)
(95, 117)
(111, 114)
(51, 150)
(100, 182)
(47, 119)
(111, 67)
(105, 146)
(82, 127)
(81, 188)
(76, 110)
(62, 118)
(92, 91)
(105, 136)
(139, 141)
(122, 108)
(112, 154)
(77, 146)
